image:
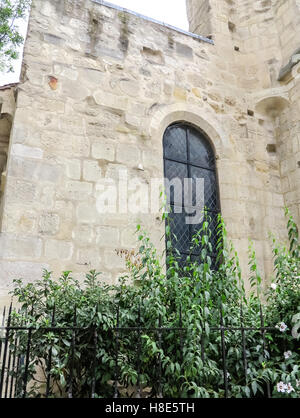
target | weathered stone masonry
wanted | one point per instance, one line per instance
(100, 86)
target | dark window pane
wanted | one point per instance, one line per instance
(180, 229)
(210, 187)
(175, 143)
(176, 172)
(200, 151)
(187, 205)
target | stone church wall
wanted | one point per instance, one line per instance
(99, 87)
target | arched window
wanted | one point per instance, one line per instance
(188, 154)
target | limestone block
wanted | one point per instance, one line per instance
(71, 125)
(91, 171)
(47, 196)
(86, 212)
(103, 51)
(19, 220)
(60, 250)
(65, 229)
(26, 270)
(73, 169)
(28, 169)
(65, 144)
(128, 154)
(74, 89)
(153, 56)
(107, 236)
(36, 78)
(56, 106)
(180, 94)
(46, 122)
(197, 80)
(137, 108)
(243, 193)
(284, 167)
(285, 184)
(20, 132)
(49, 223)
(123, 129)
(83, 234)
(228, 191)
(110, 100)
(21, 150)
(293, 177)
(153, 160)
(233, 208)
(130, 87)
(92, 75)
(66, 71)
(65, 209)
(197, 92)
(17, 247)
(117, 220)
(78, 190)
(48, 172)
(88, 257)
(129, 238)
(184, 50)
(168, 87)
(134, 120)
(53, 39)
(47, 9)
(103, 150)
(277, 200)
(19, 191)
(153, 89)
(113, 261)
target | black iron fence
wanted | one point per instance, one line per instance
(19, 354)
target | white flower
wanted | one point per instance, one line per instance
(298, 383)
(287, 354)
(289, 388)
(281, 387)
(274, 286)
(228, 376)
(282, 327)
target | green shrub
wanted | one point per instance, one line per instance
(171, 363)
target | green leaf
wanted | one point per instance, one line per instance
(254, 387)
(62, 380)
(247, 392)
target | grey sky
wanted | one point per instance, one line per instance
(172, 12)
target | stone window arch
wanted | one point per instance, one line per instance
(189, 154)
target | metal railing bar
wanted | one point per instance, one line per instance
(117, 329)
(49, 365)
(5, 351)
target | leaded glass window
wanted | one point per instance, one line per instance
(188, 154)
